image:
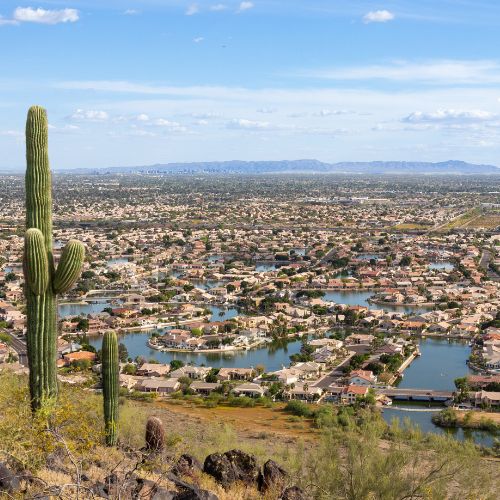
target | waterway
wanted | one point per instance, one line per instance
(360, 298)
(273, 356)
(73, 310)
(442, 361)
(442, 266)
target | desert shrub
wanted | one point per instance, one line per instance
(73, 425)
(298, 408)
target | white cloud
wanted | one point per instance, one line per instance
(450, 115)
(192, 10)
(266, 111)
(6, 22)
(378, 16)
(201, 122)
(131, 12)
(245, 6)
(438, 72)
(331, 112)
(243, 124)
(142, 117)
(90, 115)
(218, 7)
(198, 39)
(42, 16)
(169, 125)
(205, 116)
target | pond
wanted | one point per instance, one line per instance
(442, 266)
(72, 310)
(423, 419)
(442, 361)
(273, 356)
(265, 267)
(360, 298)
(207, 285)
(368, 256)
(223, 313)
(216, 258)
(117, 260)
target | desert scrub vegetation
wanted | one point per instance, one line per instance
(355, 456)
(73, 426)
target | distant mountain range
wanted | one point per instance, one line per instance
(451, 167)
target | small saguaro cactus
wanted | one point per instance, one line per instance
(155, 435)
(43, 282)
(110, 386)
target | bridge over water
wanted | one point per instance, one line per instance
(416, 394)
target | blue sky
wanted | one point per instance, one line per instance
(156, 81)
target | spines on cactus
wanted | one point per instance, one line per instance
(110, 386)
(42, 281)
(155, 435)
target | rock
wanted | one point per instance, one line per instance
(190, 491)
(9, 482)
(144, 488)
(293, 493)
(99, 490)
(196, 494)
(111, 479)
(186, 466)
(163, 494)
(272, 476)
(122, 486)
(232, 466)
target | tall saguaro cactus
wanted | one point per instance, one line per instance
(110, 385)
(42, 280)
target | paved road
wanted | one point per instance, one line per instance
(333, 376)
(20, 347)
(485, 262)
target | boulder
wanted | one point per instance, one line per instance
(271, 477)
(187, 465)
(164, 494)
(9, 482)
(230, 467)
(196, 494)
(293, 493)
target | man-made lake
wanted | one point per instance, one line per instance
(423, 419)
(72, 310)
(368, 256)
(264, 267)
(442, 266)
(360, 298)
(273, 357)
(117, 260)
(442, 361)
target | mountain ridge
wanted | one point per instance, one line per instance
(303, 166)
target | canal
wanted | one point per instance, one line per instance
(273, 357)
(442, 361)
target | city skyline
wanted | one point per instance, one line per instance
(143, 82)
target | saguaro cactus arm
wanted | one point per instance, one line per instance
(70, 266)
(110, 386)
(35, 262)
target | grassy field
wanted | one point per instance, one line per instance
(409, 226)
(258, 420)
(485, 221)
